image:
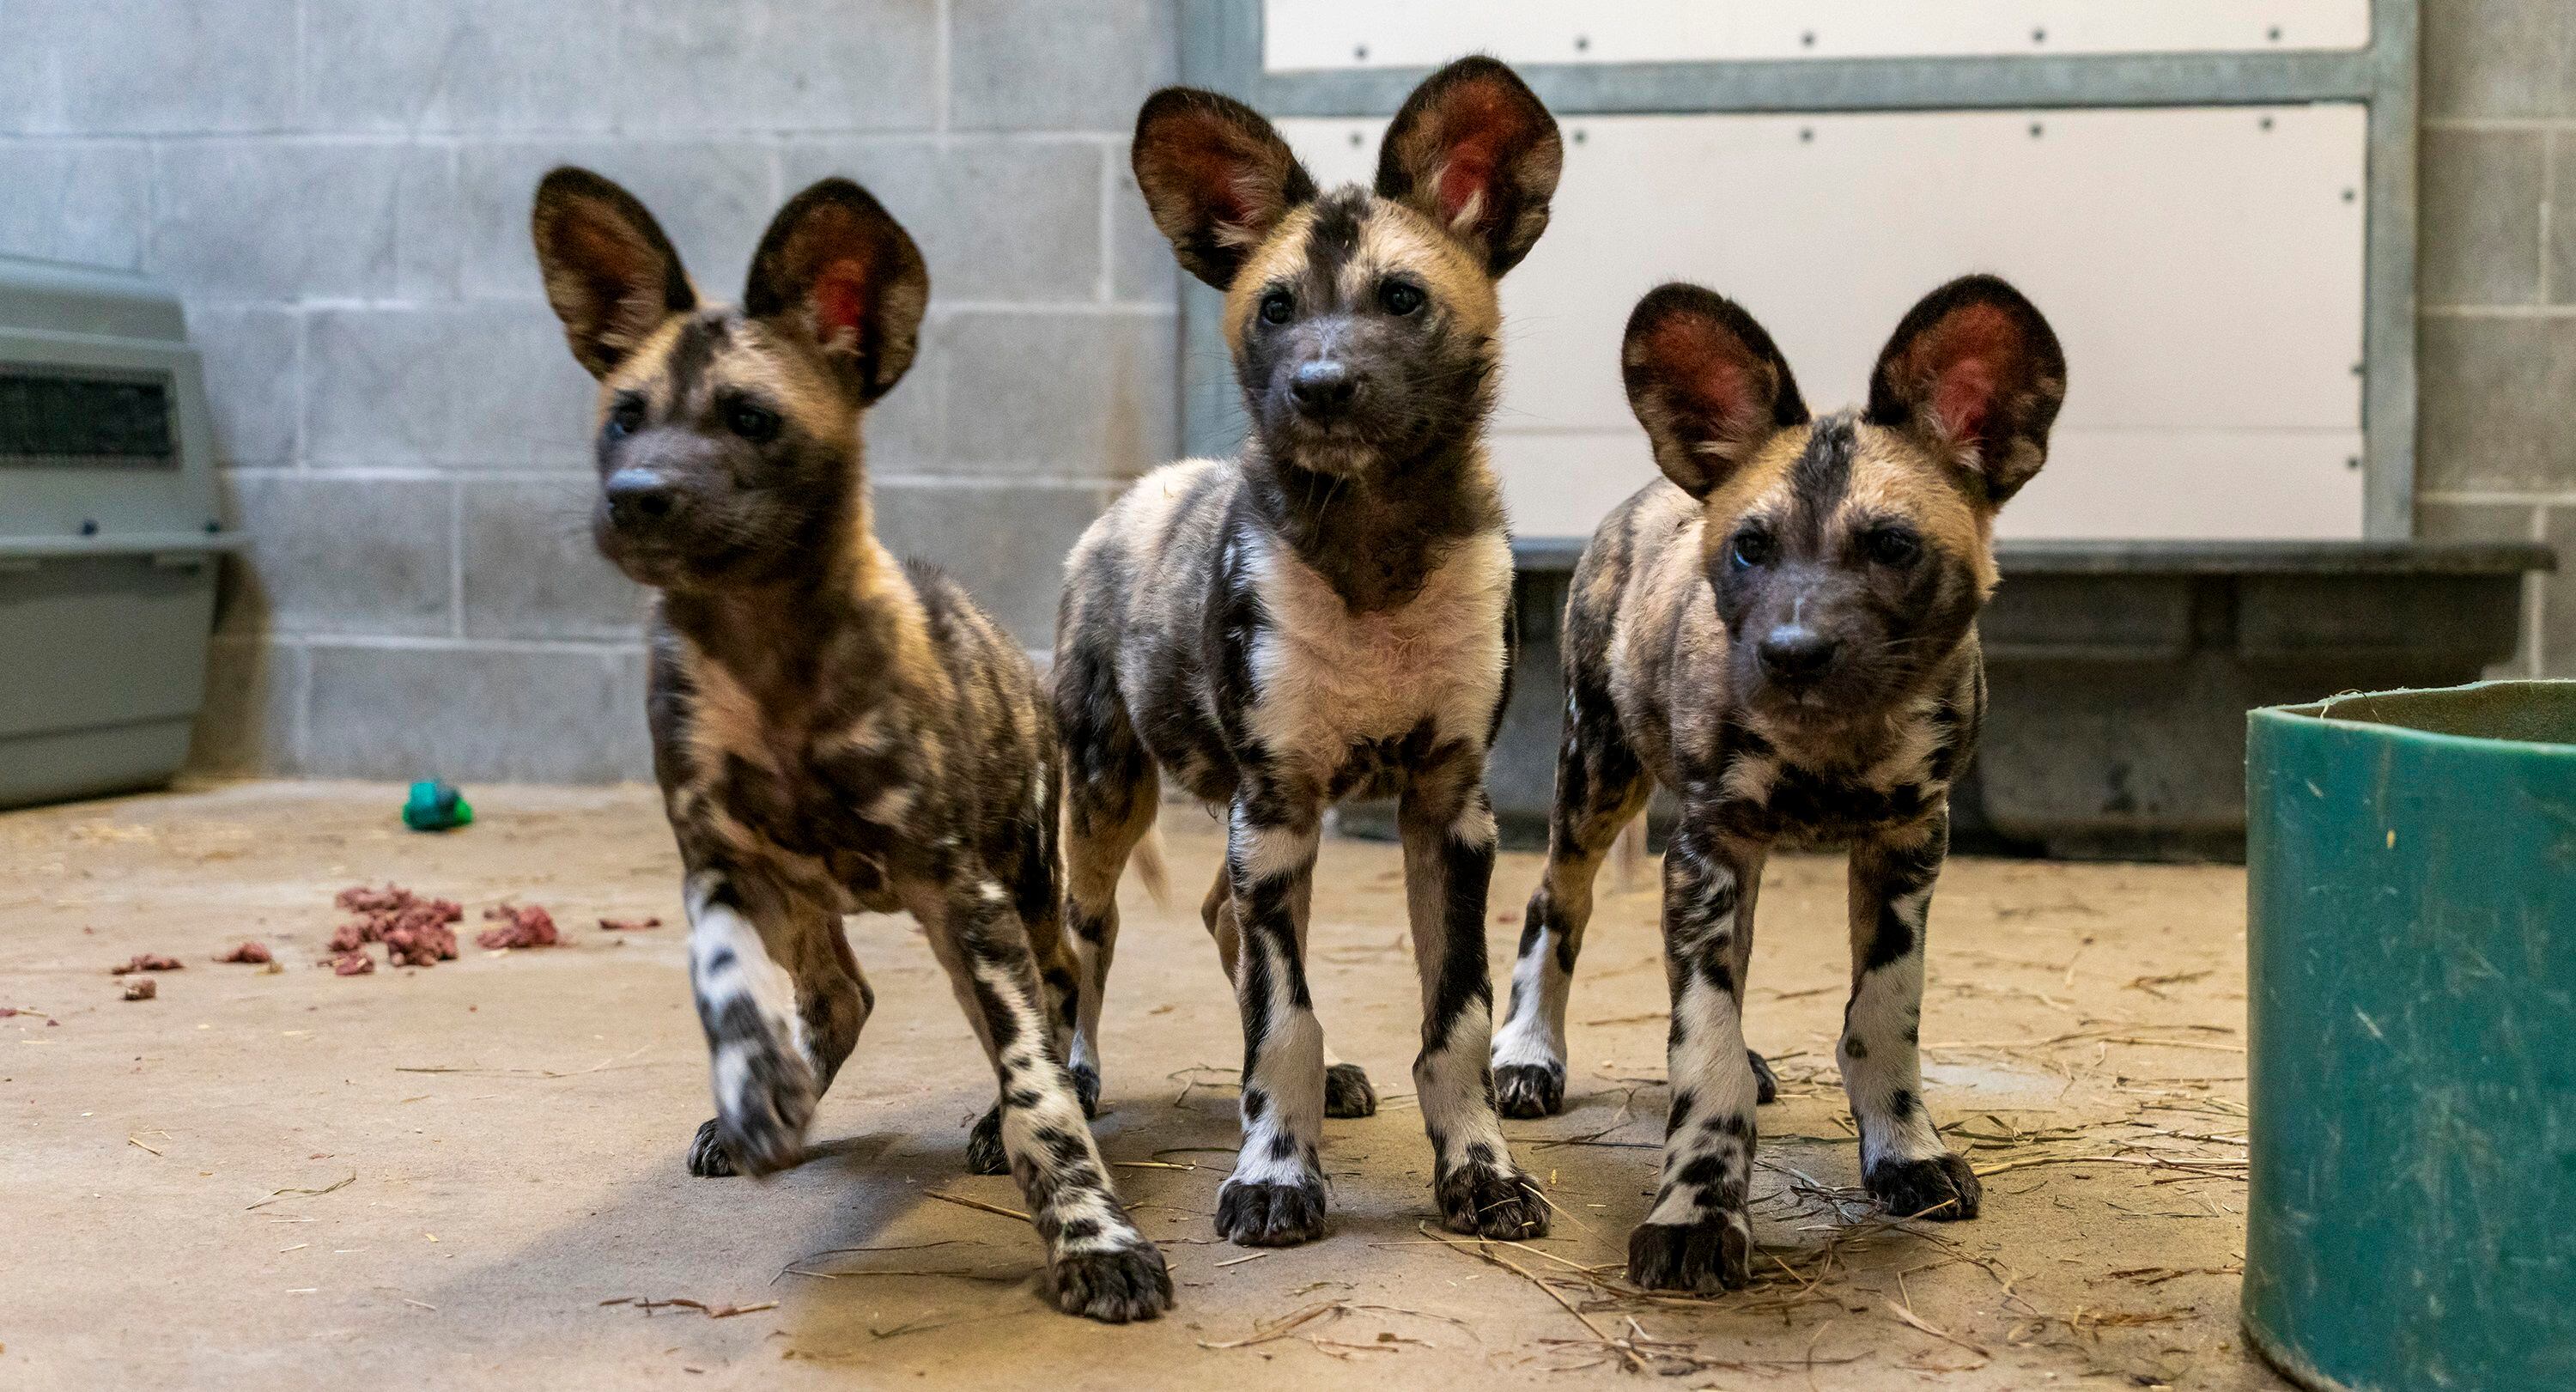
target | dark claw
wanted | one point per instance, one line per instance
(1942, 1188)
(1270, 1215)
(1528, 1090)
(1347, 1092)
(1490, 1202)
(1113, 1287)
(1713, 1255)
(1766, 1084)
(708, 1158)
(984, 1153)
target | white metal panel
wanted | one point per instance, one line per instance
(2203, 268)
(1328, 34)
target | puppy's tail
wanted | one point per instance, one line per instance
(1151, 870)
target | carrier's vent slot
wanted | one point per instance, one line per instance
(53, 418)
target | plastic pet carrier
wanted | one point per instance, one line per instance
(108, 534)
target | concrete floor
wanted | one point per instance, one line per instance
(450, 1177)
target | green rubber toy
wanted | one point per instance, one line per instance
(436, 806)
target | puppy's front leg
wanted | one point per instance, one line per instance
(1903, 1160)
(782, 1002)
(1699, 1235)
(1448, 828)
(1097, 1262)
(1275, 1197)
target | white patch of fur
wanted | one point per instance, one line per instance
(1326, 676)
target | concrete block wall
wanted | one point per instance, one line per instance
(2497, 452)
(340, 191)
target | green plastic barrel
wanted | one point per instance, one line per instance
(2411, 944)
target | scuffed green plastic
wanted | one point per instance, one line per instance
(2411, 946)
(436, 806)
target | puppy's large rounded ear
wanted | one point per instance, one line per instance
(1216, 176)
(610, 273)
(1476, 151)
(836, 269)
(1975, 373)
(1706, 382)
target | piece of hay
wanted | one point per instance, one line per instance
(628, 925)
(142, 988)
(528, 927)
(147, 961)
(249, 953)
(352, 964)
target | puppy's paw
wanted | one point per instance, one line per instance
(1529, 1090)
(1113, 1287)
(764, 1097)
(984, 1153)
(1712, 1255)
(1347, 1092)
(1253, 1214)
(1086, 1089)
(708, 1158)
(1766, 1084)
(1490, 1202)
(1941, 1188)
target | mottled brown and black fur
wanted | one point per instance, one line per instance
(833, 731)
(1326, 616)
(1784, 634)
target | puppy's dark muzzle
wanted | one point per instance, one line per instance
(1795, 657)
(640, 502)
(1324, 391)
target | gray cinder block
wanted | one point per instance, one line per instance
(342, 555)
(271, 220)
(250, 360)
(1097, 60)
(2481, 217)
(461, 65)
(1066, 395)
(780, 65)
(572, 714)
(2499, 58)
(460, 385)
(2495, 394)
(86, 202)
(129, 67)
(531, 569)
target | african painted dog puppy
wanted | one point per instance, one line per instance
(1327, 616)
(832, 731)
(1784, 634)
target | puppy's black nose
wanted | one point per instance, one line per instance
(1795, 655)
(1323, 388)
(639, 498)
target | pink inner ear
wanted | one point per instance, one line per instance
(1962, 397)
(840, 300)
(1712, 379)
(1469, 172)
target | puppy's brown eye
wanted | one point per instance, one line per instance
(757, 424)
(1277, 307)
(1398, 298)
(625, 417)
(1892, 546)
(1753, 547)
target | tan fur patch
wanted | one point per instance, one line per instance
(1892, 476)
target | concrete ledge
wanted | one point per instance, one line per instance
(2120, 674)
